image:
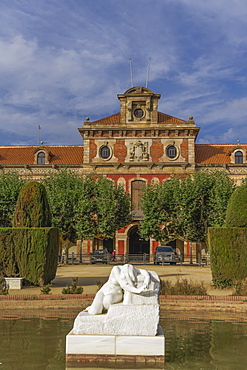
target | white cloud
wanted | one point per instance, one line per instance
(62, 61)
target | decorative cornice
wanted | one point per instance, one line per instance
(147, 132)
(149, 165)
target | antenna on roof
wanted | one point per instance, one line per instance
(131, 74)
(39, 128)
(148, 70)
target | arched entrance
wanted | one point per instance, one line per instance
(137, 245)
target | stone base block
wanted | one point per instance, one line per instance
(14, 282)
(145, 350)
(120, 319)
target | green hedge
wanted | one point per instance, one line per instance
(228, 251)
(236, 213)
(30, 253)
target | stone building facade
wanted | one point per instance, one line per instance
(135, 147)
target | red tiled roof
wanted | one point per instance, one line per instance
(73, 154)
(215, 153)
(59, 154)
(114, 118)
(165, 118)
(162, 118)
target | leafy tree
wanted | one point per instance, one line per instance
(104, 212)
(236, 213)
(32, 208)
(10, 186)
(86, 207)
(185, 207)
(158, 209)
(64, 190)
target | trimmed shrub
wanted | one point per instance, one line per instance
(46, 289)
(4, 290)
(182, 287)
(236, 213)
(32, 208)
(228, 251)
(31, 253)
(73, 288)
(240, 288)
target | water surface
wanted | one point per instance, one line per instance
(193, 341)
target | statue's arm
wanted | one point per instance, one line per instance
(132, 289)
(147, 278)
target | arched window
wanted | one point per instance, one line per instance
(238, 157)
(41, 158)
(171, 152)
(105, 152)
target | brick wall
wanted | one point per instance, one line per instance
(120, 150)
(156, 150)
(184, 147)
(92, 150)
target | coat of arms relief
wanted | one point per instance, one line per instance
(138, 151)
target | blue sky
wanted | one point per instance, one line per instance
(64, 60)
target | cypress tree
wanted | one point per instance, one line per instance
(236, 213)
(32, 207)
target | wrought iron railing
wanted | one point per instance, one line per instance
(75, 259)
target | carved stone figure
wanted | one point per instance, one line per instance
(131, 152)
(138, 151)
(129, 107)
(145, 151)
(125, 278)
(148, 110)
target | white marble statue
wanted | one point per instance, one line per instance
(123, 281)
(127, 304)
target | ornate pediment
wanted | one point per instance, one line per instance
(138, 90)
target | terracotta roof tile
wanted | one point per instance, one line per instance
(165, 118)
(215, 153)
(59, 154)
(114, 118)
(162, 118)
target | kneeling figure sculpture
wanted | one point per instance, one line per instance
(125, 307)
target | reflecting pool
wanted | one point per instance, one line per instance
(193, 341)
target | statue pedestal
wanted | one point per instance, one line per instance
(149, 350)
(120, 320)
(129, 333)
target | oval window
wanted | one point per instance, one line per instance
(138, 113)
(171, 152)
(105, 152)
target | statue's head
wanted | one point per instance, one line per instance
(129, 274)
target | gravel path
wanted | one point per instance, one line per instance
(89, 275)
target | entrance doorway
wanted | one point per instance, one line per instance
(108, 244)
(172, 244)
(137, 245)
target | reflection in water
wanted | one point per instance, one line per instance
(205, 344)
(197, 343)
(33, 343)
